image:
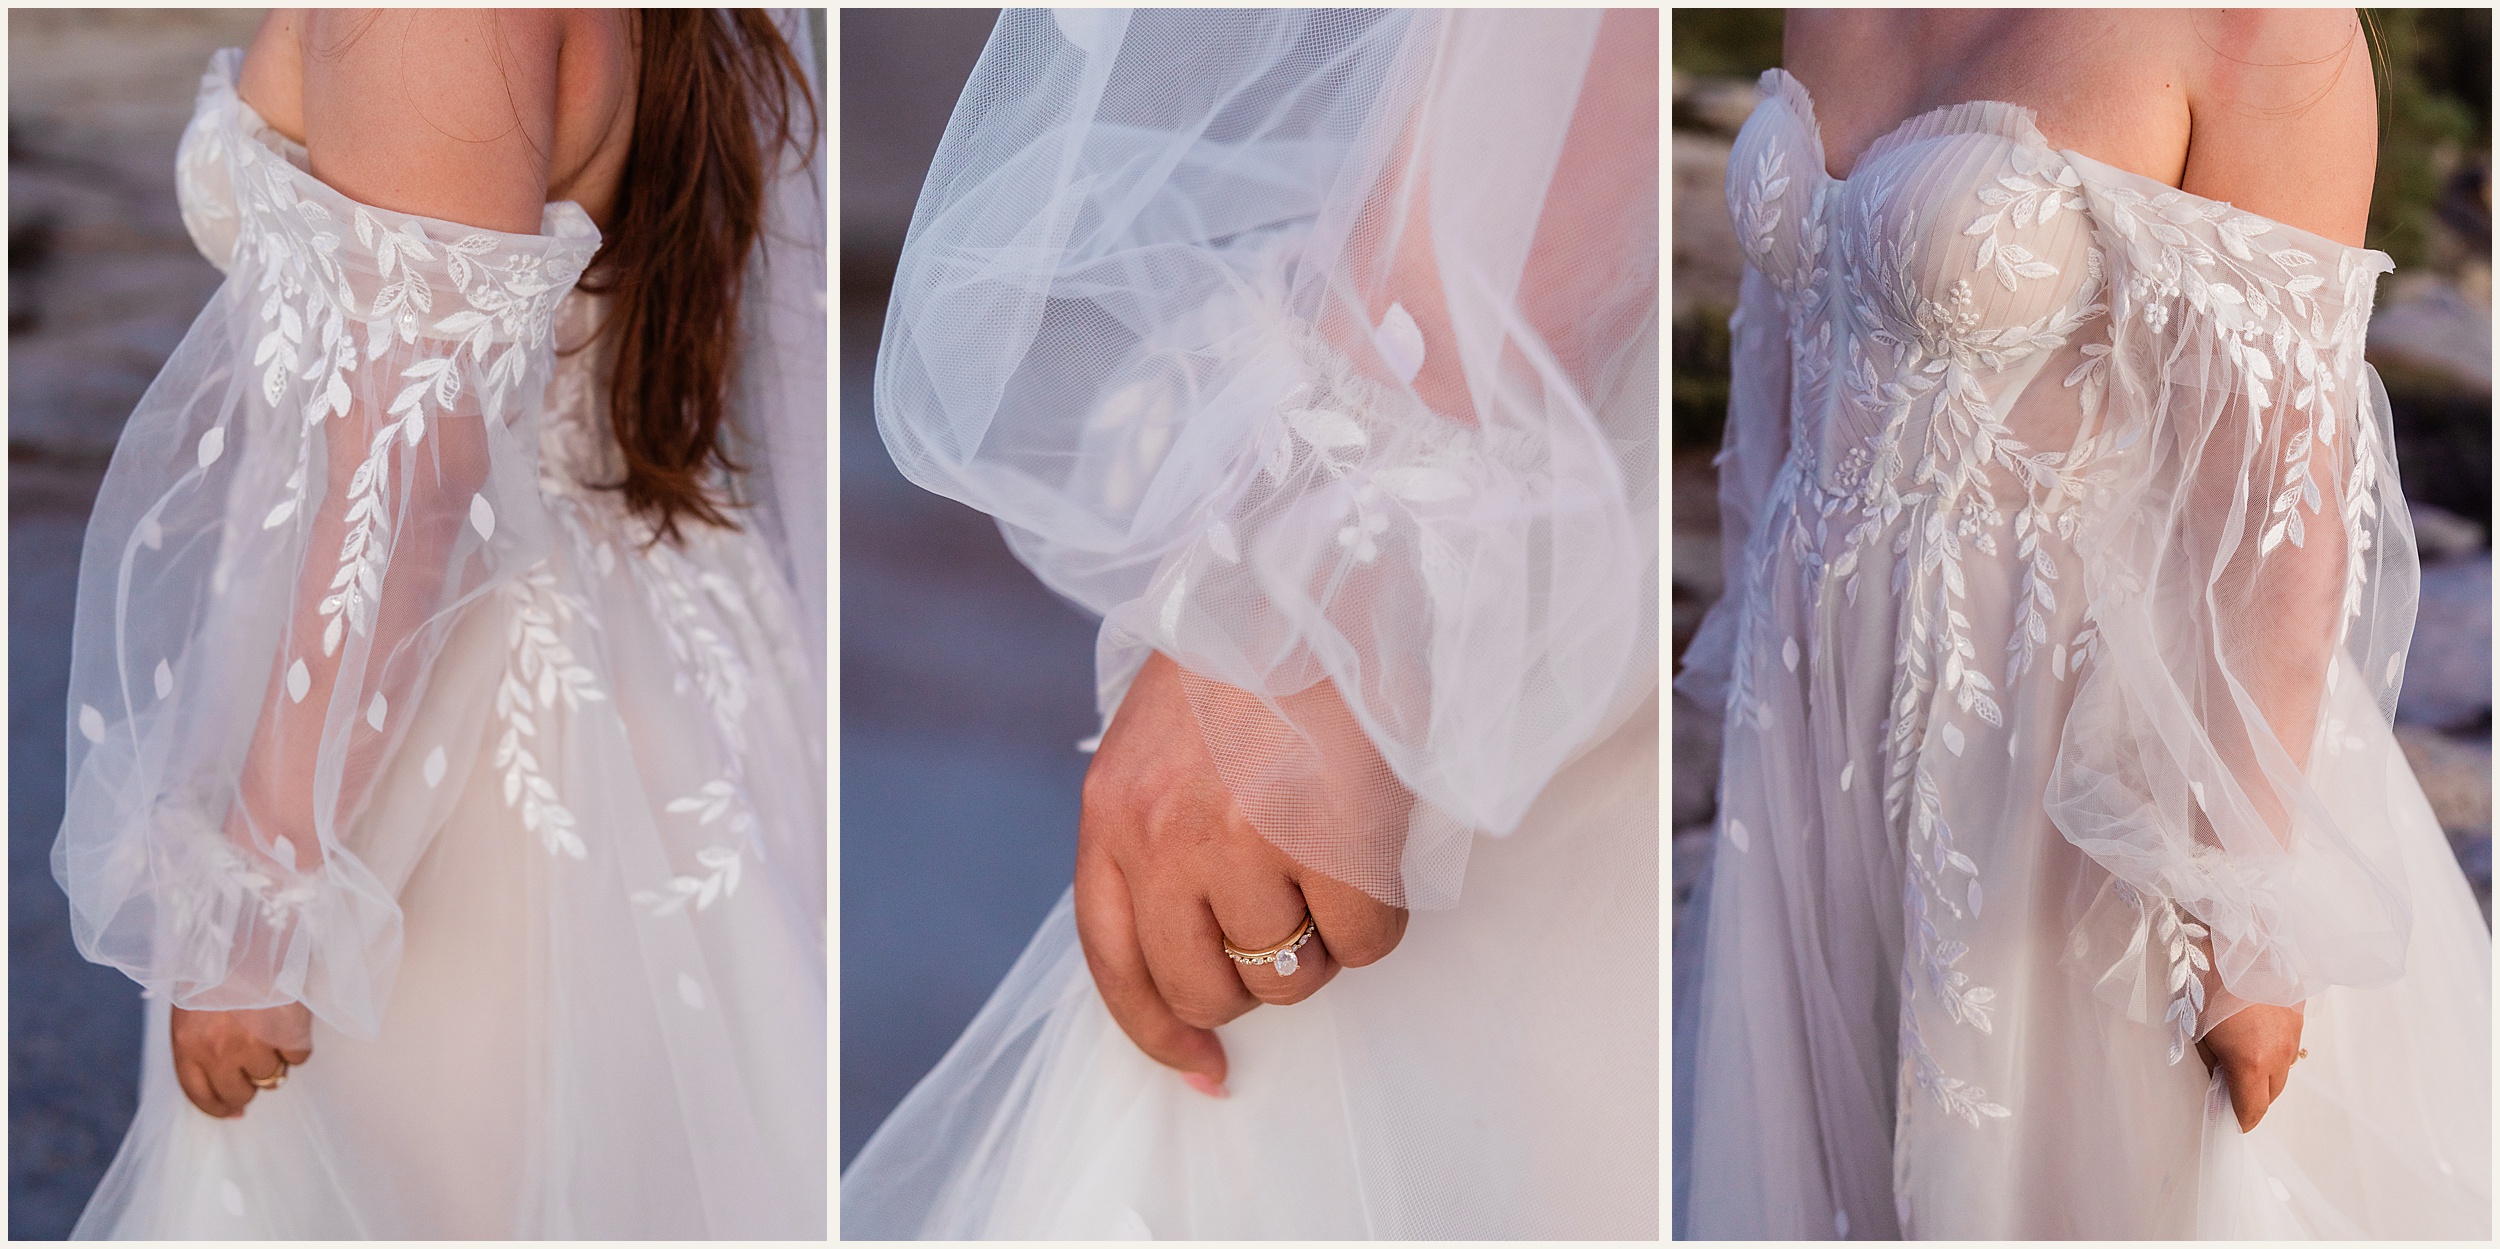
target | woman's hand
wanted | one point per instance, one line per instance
(2255, 1049)
(218, 1053)
(1167, 870)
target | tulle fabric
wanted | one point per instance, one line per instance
(2070, 586)
(1495, 1077)
(1316, 349)
(381, 705)
(1319, 351)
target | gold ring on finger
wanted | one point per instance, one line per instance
(273, 1081)
(1282, 953)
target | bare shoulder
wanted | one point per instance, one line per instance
(272, 78)
(2284, 115)
(445, 113)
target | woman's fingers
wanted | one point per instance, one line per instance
(231, 1085)
(2252, 1091)
(195, 1085)
(1358, 928)
(1184, 952)
(1107, 929)
(1259, 909)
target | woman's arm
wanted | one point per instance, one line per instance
(445, 115)
(2284, 125)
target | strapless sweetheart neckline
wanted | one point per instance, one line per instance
(1822, 153)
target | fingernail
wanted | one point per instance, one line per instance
(1205, 1083)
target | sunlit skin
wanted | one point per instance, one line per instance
(480, 117)
(2272, 110)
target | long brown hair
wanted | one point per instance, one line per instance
(712, 102)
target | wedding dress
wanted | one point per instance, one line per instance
(555, 886)
(2070, 590)
(1318, 351)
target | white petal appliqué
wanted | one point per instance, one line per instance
(374, 714)
(690, 989)
(90, 723)
(1953, 739)
(1401, 343)
(298, 681)
(482, 516)
(212, 445)
(1737, 835)
(164, 678)
(230, 1196)
(1422, 484)
(434, 765)
(151, 534)
(1848, 772)
(1788, 653)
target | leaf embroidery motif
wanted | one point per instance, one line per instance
(540, 675)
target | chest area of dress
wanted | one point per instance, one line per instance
(1971, 245)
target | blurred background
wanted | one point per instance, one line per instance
(965, 684)
(103, 282)
(2430, 340)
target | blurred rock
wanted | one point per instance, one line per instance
(1714, 106)
(1692, 853)
(2443, 535)
(2455, 774)
(103, 279)
(902, 70)
(2447, 678)
(1708, 265)
(2428, 325)
(1695, 734)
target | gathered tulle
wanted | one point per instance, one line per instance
(1317, 350)
(382, 704)
(1494, 1077)
(2070, 584)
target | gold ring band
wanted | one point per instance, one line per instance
(273, 1081)
(1282, 954)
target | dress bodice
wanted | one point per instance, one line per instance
(1959, 231)
(1963, 255)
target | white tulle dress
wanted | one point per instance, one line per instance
(539, 833)
(2070, 590)
(1318, 351)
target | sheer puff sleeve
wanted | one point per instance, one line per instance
(2252, 579)
(1317, 350)
(338, 460)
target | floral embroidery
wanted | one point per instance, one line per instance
(541, 673)
(699, 892)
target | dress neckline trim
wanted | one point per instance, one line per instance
(2000, 117)
(561, 221)
(2018, 123)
